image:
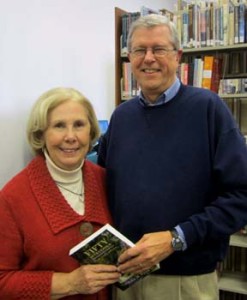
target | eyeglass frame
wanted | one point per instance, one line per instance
(140, 54)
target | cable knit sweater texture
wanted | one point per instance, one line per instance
(38, 228)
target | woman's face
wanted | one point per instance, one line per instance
(67, 137)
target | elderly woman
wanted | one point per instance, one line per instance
(54, 203)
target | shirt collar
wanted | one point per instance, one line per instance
(61, 175)
(168, 95)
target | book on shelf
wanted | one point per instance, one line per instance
(185, 28)
(235, 62)
(207, 71)
(129, 86)
(216, 73)
(233, 86)
(104, 247)
(236, 24)
(127, 19)
(184, 71)
(230, 23)
(241, 22)
(198, 72)
(203, 24)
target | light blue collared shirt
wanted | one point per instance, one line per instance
(169, 94)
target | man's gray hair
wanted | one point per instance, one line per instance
(153, 20)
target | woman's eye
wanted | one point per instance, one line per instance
(59, 125)
(79, 124)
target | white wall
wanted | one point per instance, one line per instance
(49, 43)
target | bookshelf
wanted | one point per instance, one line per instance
(231, 71)
(229, 80)
(118, 58)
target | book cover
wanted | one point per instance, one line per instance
(104, 247)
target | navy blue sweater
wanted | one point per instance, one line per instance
(182, 163)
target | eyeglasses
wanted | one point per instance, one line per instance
(157, 51)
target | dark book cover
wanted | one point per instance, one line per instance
(104, 247)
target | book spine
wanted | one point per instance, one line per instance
(216, 74)
(236, 27)
(208, 23)
(241, 26)
(185, 36)
(190, 26)
(207, 72)
(225, 9)
(231, 24)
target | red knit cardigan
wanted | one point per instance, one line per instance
(38, 228)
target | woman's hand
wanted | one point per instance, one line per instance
(87, 279)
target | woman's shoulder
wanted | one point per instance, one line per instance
(21, 179)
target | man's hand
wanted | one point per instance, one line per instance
(148, 251)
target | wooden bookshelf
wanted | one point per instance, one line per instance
(237, 102)
(118, 59)
(215, 48)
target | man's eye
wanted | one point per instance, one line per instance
(140, 51)
(159, 50)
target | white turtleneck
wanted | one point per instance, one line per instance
(70, 183)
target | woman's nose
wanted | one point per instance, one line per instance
(70, 135)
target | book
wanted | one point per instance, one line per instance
(217, 70)
(203, 24)
(241, 23)
(185, 28)
(231, 23)
(104, 247)
(207, 71)
(236, 27)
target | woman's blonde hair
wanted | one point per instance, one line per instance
(38, 119)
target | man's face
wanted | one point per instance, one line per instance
(154, 73)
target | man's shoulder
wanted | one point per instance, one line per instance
(92, 167)
(199, 94)
(127, 104)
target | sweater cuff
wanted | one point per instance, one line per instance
(182, 237)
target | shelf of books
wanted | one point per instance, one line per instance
(213, 36)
